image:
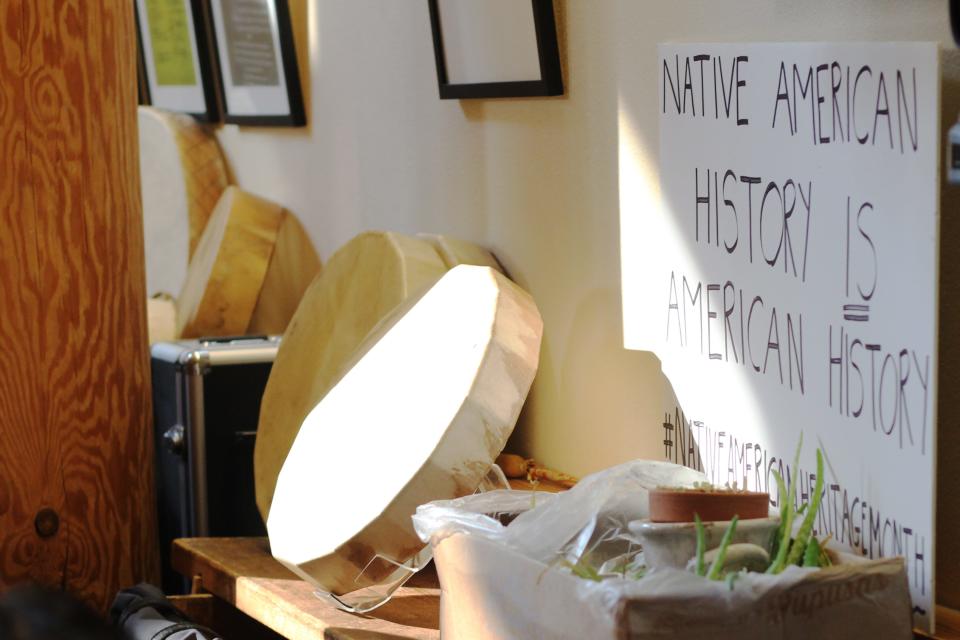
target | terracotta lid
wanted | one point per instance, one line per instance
(672, 505)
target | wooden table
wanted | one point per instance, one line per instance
(241, 572)
(948, 625)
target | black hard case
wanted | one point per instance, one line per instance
(206, 405)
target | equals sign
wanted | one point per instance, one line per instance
(856, 312)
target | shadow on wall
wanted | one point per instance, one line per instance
(300, 20)
(630, 384)
(948, 408)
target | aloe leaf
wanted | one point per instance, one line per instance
(701, 544)
(825, 560)
(787, 522)
(583, 570)
(778, 534)
(717, 566)
(811, 555)
(785, 502)
(800, 544)
(731, 578)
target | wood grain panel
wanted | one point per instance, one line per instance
(74, 394)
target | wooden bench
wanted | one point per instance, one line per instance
(948, 625)
(242, 573)
(242, 576)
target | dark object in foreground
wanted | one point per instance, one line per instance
(32, 612)
(206, 406)
(143, 612)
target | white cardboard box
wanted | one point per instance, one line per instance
(491, 591)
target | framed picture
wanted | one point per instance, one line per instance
(259, 76)
(496, 48)
(175, 57)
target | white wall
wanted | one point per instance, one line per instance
(535, 180)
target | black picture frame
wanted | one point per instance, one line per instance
(289, 67)
(143, 91)
(200, 34)
(954, 9)
(550, 82)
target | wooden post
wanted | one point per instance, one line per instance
(76, 460)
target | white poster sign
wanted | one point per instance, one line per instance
(786, 277)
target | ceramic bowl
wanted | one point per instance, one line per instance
(672, 544)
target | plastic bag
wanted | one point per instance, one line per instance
(581, 532)
(590, 517)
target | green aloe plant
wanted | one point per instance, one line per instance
(805, 549)
(803, 535)
(787, 510)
